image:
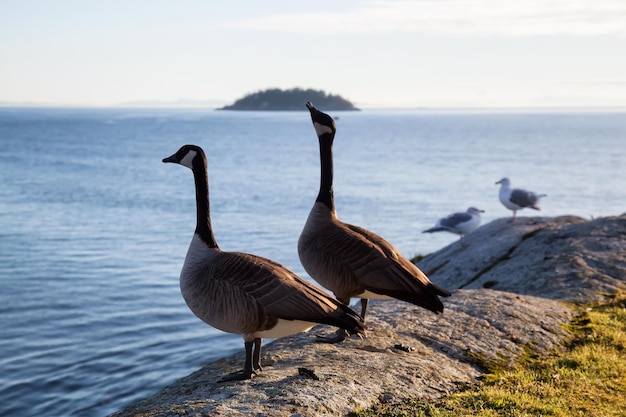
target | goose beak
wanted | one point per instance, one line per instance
(170, 159)
(312, 109)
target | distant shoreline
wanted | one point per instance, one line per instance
(293, 99)
(494, 110)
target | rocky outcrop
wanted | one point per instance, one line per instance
(563, 258)
(511, 282)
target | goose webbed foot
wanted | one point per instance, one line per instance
(242, 375)
(338, 336)
(238, 376)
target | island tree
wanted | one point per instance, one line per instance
(292, 99)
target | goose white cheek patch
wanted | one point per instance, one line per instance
(187, 160)
(320, 129)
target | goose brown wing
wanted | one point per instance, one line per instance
(384, 256)
(401, 278)
(349, 254)
(278, 293)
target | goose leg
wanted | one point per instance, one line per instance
(247, 368)
(256, 357)
(363, 307)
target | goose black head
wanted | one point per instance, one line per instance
(323, 123)
(186, 155)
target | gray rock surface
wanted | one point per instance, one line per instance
(531, 267)
(563, 258)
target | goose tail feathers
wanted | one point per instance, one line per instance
(439, 291)
(349, 320)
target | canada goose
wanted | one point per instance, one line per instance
(351, 261)
(516, 198)
(461, 223)
(247, 294)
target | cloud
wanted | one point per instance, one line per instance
(454, 17)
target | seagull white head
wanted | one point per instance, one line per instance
(505, 182)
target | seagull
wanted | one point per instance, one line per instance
(516, 198)
(461, 223)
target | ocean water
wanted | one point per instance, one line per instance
(94, 227)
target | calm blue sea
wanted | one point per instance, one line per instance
(94, 227)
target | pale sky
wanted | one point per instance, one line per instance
(399, 53)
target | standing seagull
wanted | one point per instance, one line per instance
(243, 293)
(517, 199)
(349, 260)
(459, 223)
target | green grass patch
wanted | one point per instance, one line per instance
(587, 378)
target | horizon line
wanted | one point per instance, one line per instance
(171, 106)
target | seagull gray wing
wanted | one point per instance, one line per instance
(455, 219)
(523, 198)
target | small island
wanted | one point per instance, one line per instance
(275, 99)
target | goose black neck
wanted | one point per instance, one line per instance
(325, 195)
(203, 213)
